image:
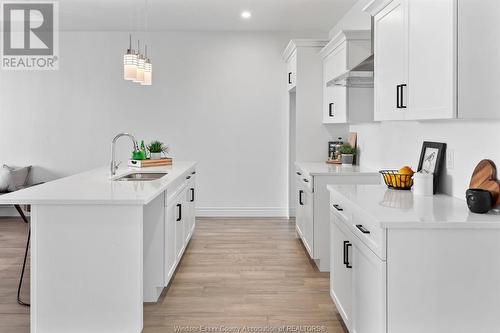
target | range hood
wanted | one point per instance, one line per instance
(361, 75)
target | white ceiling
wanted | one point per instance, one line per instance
(267, 15)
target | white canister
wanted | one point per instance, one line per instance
(423, 183)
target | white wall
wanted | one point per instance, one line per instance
(394, 144)
(218, 98)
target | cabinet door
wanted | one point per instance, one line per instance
(292, 71)
(170, 254)
(391, 61)
(190, 208)
(478, 59)
(308, 222)
(335, 108)
(180, 241)
(340, 273)
(329, 105)
(299, 212)
(369, 286)
(432, 59)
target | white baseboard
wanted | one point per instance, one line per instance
(242, 212)
(8, 211)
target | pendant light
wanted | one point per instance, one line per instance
(140, 66)
(136, 66)
(130, 62)
(148, 69)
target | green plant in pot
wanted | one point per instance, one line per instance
(347, 154)
(156, 148)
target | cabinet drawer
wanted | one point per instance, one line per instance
(305, 179)
(369, 232)
(340, 208)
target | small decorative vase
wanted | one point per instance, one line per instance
(155, 156)
(347, 159)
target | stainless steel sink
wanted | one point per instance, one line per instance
(141, 177)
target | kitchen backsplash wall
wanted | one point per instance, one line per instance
(394, 144)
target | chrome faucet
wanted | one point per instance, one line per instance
(114, 166)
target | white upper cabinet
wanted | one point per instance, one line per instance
(415, 59)
(341, 102)
(479, 59)
(390, 61)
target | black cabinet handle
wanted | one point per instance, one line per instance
(179, 212)
(362, 229)
(337, 207)
(298, 173)
(192, 194)
(305, 180)
(330, 109)
(348, 245)
(300, 197)
(402, 98)
(290, 78)
(398, 106)
(193, 173)
(188, 177)
(346, 254)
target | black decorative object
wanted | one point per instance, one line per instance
(479, 201)
(432, 159)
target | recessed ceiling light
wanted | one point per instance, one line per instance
(246, 14)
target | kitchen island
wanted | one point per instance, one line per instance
(102, 246)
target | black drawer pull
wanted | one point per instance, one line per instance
(362, 229)
(330, 109)
(179, 217)
(300, 197)
(337, 207)
(290, 78)
(192, 194)
(305, 180)
(193, 173)
(299, 174)
(188, 177)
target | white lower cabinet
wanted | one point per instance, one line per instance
(170, 255)
(341, 273)
(179, 224)
(312, 212)
(357, 280)
(368, 282)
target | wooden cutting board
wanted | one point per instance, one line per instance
(150, 163)
(485, 177)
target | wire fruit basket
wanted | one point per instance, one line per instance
(398, 181)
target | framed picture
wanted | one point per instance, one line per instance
(432, 159)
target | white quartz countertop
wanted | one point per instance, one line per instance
(402, 209)
(95, 187)
(325, 169)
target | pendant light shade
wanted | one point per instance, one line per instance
(148, 73)
(140, 69)
(130, 63)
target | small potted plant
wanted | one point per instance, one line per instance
(156, 148)
(347, 154)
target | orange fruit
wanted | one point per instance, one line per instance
(406, 170)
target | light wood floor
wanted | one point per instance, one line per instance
(235, 273)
